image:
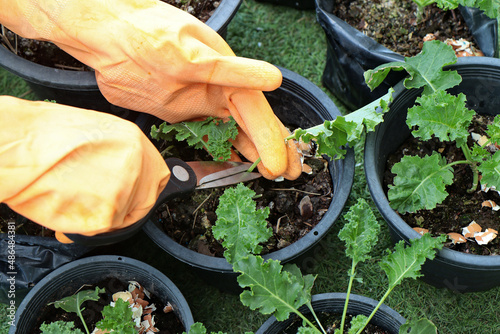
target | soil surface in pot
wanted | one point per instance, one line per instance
(394, 24)
(188, 221)
(167, 323)
(331, 322)
(460, 208)
(23, 225)
(48, 54)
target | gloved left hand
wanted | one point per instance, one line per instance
(74, 170)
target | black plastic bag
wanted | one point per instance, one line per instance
(32, 258)
(350, 53)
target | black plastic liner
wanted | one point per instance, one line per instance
(350, 53)
(34, 258)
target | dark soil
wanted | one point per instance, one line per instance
(460, 207)
(167, 323)
(393, 23)
(47, 54)
(188, 221)
(331, 322)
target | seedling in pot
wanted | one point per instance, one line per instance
(420, 182)
(128, 313)
(272, 288)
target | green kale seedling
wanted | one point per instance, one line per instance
(74, 303)
(272, 288)
(60, 327)
(212, 134)
(420, 183)
(117, 318)
(332, 136)
(239, 224)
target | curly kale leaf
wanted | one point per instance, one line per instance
(213, 134)
(490, 170)
(419, 183)
(442, 115)
(360, 233)
(117, 318)
(59, 327)
(274, 289)
(425, 69)
(332, 136)
(406, 262)
(240, 224)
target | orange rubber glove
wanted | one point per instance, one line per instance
(74, 170)
(155, 58)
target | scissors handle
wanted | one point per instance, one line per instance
(182, 180)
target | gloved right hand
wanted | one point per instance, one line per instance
(155, 58)
(74, 170)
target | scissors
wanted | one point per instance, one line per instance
(185, 177)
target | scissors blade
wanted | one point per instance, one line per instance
(212, 174)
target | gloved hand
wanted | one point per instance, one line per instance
(155, 58)
(74, 170)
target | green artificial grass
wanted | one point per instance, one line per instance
(293, 39)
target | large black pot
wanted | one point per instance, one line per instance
(78, 88)
(386, 318)
(449, 269)
(350, 53)
(298, 102)
(67, 279)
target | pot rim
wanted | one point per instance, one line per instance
(333, 301)
(160, 280)
(488, 65)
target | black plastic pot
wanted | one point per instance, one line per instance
(350, 53)
(67, 279)
(386, 318)
(450, 269)
(78, 88)
(297, 102)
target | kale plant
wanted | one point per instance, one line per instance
(272, 288)
(420, 183)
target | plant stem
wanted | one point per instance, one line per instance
(309, 305)
(252, 167)
(376, 308)
(79, 312)
(346, 304)
(473, 165)
(309, 321)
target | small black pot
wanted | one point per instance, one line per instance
(78, 88)
(67, 279)
(386, 318)
(450, 269)
(350, 53)
(298, 102)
